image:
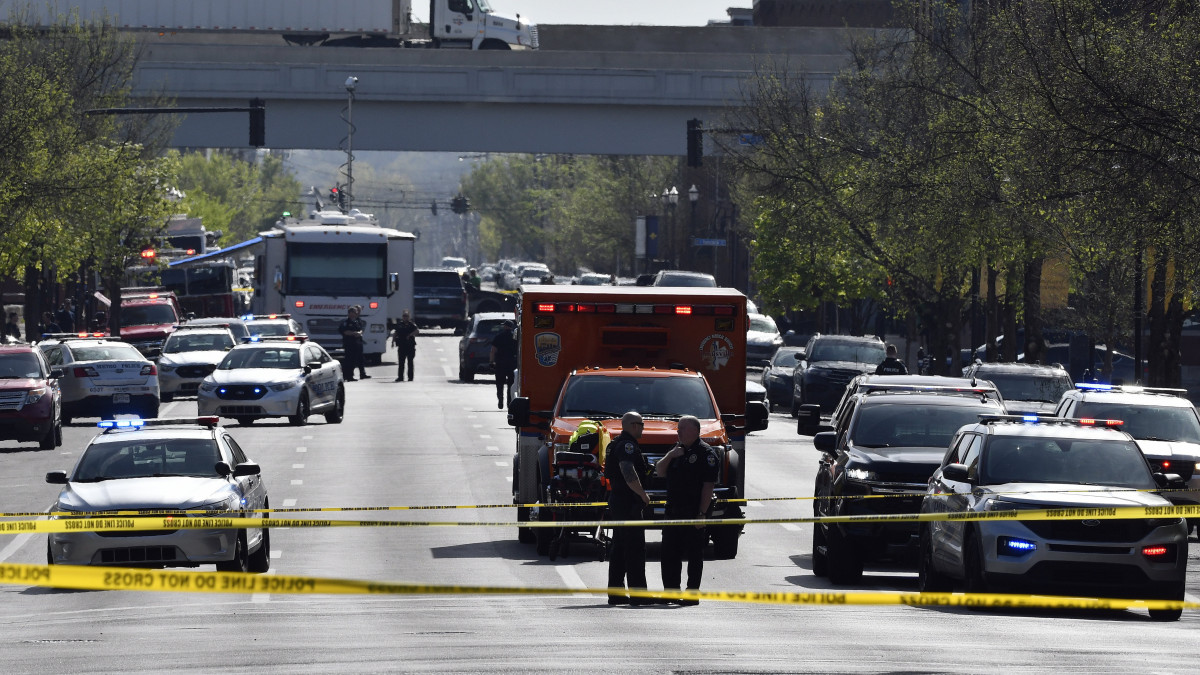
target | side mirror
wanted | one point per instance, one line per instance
(757, 416)
(246, 469)
(518, 412)
(308, 368)
(56, 477)
(826, 442)
(223, 469)
(56, 373)
(956, 473)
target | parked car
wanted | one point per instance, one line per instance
(272, 325)
(762, 339)
(30, 399)
(275, 377)
(164, 465)
(102, 377)
(1026, 387)
(777, 376)
(475, 347)
(1006, 464)
(188, 356)
(439, 299)
(892, 443)
(683, 278)
(830, 362)
(236, 325)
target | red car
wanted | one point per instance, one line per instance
(30, 400)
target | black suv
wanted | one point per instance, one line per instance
(439, 299)
(820, 378)
(1026, 387)
(892, 444)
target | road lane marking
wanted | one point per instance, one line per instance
(501, 463)
(297, 482)
(262, 597)
(306, 438)
(301, 449)
(448, 371)
(297, 466)
(477, 426)
(485, 435)
(276, 554)
(758, 504)
(16, 543)
(572, 579)
(287, 503)
(791, 527)
(493, 448)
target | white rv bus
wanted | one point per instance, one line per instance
(316, 269)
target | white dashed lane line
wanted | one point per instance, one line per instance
(288, 503)
(297, 482)
(791, 527)
(297, 466)
(301, 449)
(501, 463)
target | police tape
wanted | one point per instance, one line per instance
(556, 505)
(145, 523)
(126, 579)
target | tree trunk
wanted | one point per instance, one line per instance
(1174, 335)
(944, 332)
(993, 314)
(1157, 355)
(1035, 344)
(1012, 346)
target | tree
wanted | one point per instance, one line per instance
(238, 197)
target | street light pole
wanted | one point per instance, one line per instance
(694, 197)
(349, 187)
(670, 198)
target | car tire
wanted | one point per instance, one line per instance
(976, 582)
(244, 421)
(301, 416)
(1176, 593)
(929, 578)
(845, 565)
(149, 412)
(525, 535)
(335, 414)
(166, 398)
(725, 540)
(465, 375)
(47, 441)
(58, 434)
(49, 554)
(241, 561)
(820, 559)
(66, 419)
(259, 562)
(542, 536)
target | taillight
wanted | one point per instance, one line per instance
(149, 369)
(1159, 553)
(86, 371)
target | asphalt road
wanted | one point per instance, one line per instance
(439, 441)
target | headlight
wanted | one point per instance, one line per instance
(208, 386)
(166, 368)
(860, 474)
(284, 386)
(36, 395)
(230, 503)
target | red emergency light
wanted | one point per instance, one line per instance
(148, 253)
(299, 304)
(374, 305)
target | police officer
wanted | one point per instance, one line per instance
(891, 365)
(351, 329)
(11, 329)
(503, 359)
(624, 466)
(691, 469)
(405, 339)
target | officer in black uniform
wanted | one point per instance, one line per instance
(891, 365)
(624, 466)
(503, 359)
(352, 329)
(691, 469)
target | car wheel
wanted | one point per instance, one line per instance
(542, 535)
(166, 398)
(795, 409)
(525, 535)
(149, 412)
(929, 578)
(244, 421)
(240, 562)
(820, 559)
(845, 565)
(334, 416)
(1176, 593)
(465, 375)
(301, 416)
(973, 554)
(47, 441)
(49, 554)
(260, 561)
(58, 434)
(66, 419)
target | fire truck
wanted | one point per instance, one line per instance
(594, 353)
(317, 268)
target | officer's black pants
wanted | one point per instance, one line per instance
(354, 358)
(627, 557)
(405, 355)
(504, 377)
(679, 543)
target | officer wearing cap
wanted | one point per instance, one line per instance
(503, 359)
(624, 466)
(691, 469)
(352, 329)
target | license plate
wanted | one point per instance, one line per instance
(435, 301)
(120, 398)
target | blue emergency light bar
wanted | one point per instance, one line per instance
(138, 423)
(1093, 386)
(121, 424)
(985, 418)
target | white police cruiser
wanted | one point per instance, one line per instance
(275, 377)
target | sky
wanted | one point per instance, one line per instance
(620, 12)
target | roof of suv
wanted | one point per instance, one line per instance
(847, 338)
(1019, 368)
(1130, 396)
(869, 398)
(1049, 427)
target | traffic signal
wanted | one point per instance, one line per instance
(433, 207)
(460, 204)
(258, 123)
(335, 197)
(695, 142)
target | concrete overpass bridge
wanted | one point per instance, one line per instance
(589, 90)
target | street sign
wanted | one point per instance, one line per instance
(708, 242)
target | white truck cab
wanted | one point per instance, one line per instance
(470, 24)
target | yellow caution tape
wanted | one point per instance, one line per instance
(120, 524)
(127, 579)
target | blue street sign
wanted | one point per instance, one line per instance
(652, 237)
(750, 139)
(708, 242)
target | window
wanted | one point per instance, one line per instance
(54, 356)
(1088, 461)
(908, 425)
(971, 457)
(336, 269)
(239, 457)
(1147, 422)
(114, 351)
(141, 459)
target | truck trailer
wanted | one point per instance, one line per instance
(595, 353)
(459, 24)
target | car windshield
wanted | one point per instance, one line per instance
(13, 366)
(784, 359)
(193, 342)
(1147, 422)
(113, 351)
(146, 458)
(687, 280)
(858, 352)
(148, 315)
(912, 425)
(488, 328)
(763, 324)
(437, 280)
(269, 328)
(286, 358)
(650, 396)
(1116, 462)
(1029, 387)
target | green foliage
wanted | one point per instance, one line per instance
(238, 197)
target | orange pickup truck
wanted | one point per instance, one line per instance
(598, 352)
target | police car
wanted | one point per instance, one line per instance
(275, 377)
(157, 466)
(272, 325)
(102, 376)
(188, 356)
